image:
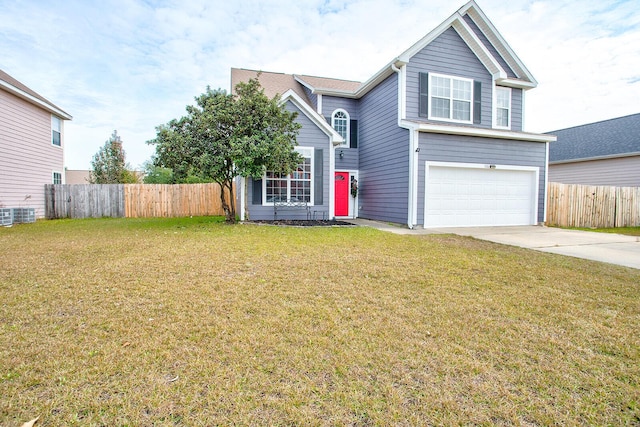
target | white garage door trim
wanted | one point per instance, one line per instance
(528, 175)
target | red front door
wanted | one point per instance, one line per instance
(342, 193)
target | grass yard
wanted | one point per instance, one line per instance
(192, 322)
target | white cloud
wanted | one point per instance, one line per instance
(131, 65)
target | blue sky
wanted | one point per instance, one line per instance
(133, 65)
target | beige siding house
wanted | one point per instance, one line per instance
(31, 145)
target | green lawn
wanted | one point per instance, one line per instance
(193, 322)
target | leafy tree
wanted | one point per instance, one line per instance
(225, 136)
(109, 165)
(157, 175)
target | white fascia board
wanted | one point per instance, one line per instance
(496, 39)
(518, 84)
(484, 133)
(303, 83)
(479, 49)
(32, 99)
(318, 120)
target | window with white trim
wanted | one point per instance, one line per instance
(57, 178)
(56, 129)
(503, 107)
(340, 122)
(450, 98)
(294, 187)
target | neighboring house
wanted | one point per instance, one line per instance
(600, 153)
(31, 145)
(77, 176)
(433, 139)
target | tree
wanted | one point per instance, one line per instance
(225, 136)
(109, 165)
(157, 175)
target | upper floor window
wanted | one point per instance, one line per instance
(295, 187)
(340, 122)
(451, 98)
(56, 129)
(57, 178)
(503, 107)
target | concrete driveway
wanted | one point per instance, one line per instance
(605, 247)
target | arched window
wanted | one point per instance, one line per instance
(340, 122)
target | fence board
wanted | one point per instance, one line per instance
(571, 205)
(132, 200)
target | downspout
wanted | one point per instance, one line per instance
(413, 154)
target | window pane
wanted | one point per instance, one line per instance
(502, 96)
(503, 117)
(441, 87)
(461, 110)
(55, 138)
(440, 107)
(340, 125)
(462, 90)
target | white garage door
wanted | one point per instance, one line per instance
(467, 195)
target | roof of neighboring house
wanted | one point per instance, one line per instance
(17, 88)
(609, 138)
(483, 39)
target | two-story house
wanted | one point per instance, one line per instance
(31, 145)
(433, 139)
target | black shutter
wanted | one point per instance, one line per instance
(318, 185)
(477, 102)
(423, 108)
(353, 137)
(257, 192)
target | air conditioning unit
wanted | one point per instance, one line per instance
(6, 217)
(24, 215)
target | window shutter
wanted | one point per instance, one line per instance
(353, 137)
(257, 192)
(477, 102)
(318, 184)
(423, 108)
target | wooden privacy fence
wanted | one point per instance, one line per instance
(572, 205)
(132, 200)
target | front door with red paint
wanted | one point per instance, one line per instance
(342, 193)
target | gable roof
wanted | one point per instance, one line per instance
(20, 90)
(485, 46)
(317, 119)
(617, 137)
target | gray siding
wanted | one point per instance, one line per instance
(384, 156)
(489, 46)
(448, 54)
(332, 103)
(468, 149)
(516, 109)
(621, 172)
(313, 98)
(310, 136)
(351, 159)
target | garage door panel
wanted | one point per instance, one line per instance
(474, 195)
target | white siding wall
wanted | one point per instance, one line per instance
(621, 172)
(27, 157)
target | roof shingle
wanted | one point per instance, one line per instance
(612, 137)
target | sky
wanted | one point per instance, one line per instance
(131, 65)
